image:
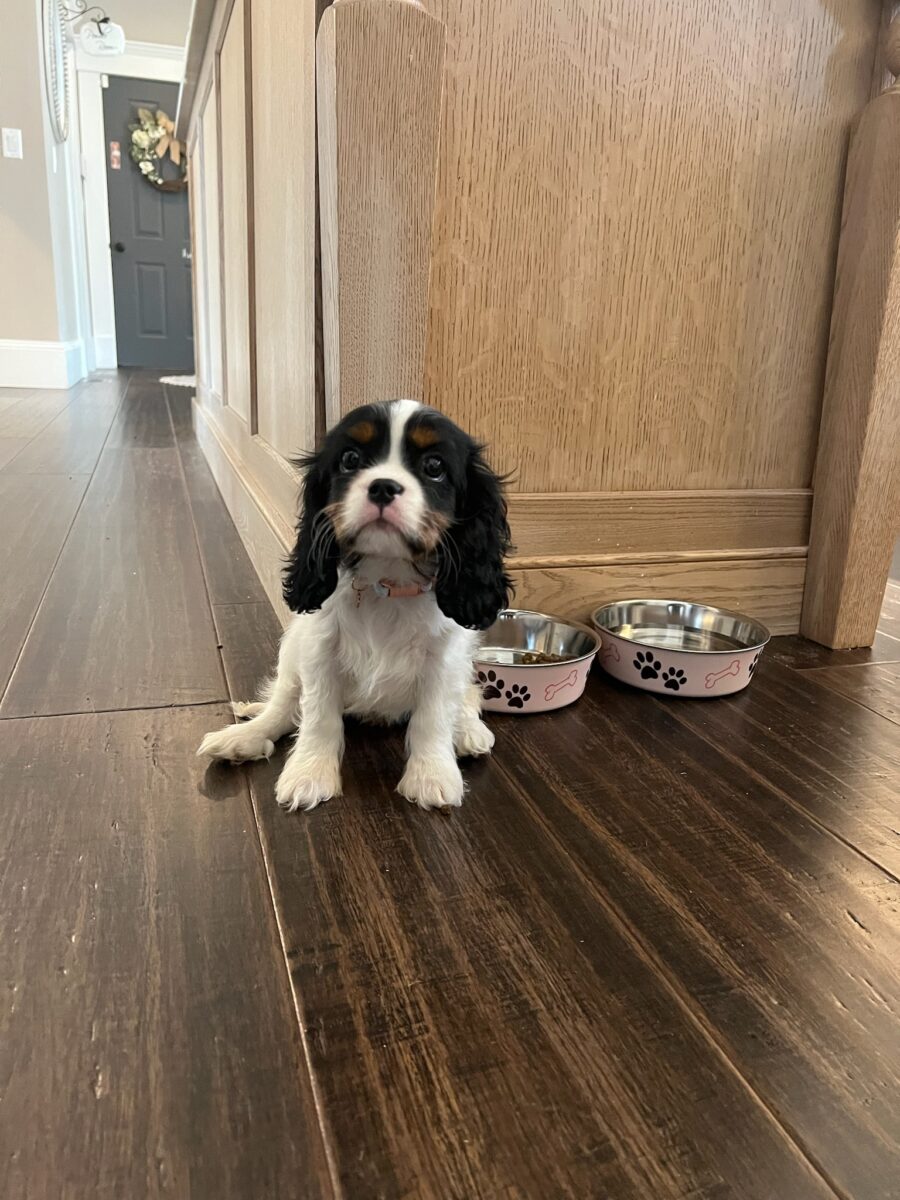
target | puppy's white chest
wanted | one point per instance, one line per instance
(384, 650)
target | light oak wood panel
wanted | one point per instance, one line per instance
(233, 182)
(635, 231)
(264, 533)
(856, 514)
(379, 95)
(210, 235)
(769, 589)
(148, 1043)
(284, 170)
(616, 525)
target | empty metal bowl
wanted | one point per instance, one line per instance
(530, 662)
(678, 648)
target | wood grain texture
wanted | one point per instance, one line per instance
(235, 268)
(503, 1033)
(147, 1038)
(264, 533)
(784, 942)
(875, 686)
(37, 511)
(10, 447)
(249, 635)
(633, 264)
(856, 514)
(230, 577)
(284, 158)
(142, 422)
(125, 622)
(637, 523)
(378, 163)
(28, 415)
(769, 589)
(803, 655)
(71, 443)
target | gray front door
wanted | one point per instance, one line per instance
(150, 240)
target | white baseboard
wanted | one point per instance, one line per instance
(41, 364)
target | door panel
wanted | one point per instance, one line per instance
(150, 241)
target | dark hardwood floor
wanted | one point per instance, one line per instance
(656, 954)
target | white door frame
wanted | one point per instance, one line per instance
(141, 60)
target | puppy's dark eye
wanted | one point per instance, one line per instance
(349, 461)
(433, 467)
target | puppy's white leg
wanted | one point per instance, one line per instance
(312, 772)
(432, 779)
(272, 719)
(471, 737)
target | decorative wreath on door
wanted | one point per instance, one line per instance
(152, 138)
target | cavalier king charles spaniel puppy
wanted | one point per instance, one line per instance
(398, 564)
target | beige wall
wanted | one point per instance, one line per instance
(28, 308)
(163, 21)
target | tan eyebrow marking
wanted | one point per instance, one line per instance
(362, 431)
(423, 435)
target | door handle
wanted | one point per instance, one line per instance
(119, 247)
(186, 254)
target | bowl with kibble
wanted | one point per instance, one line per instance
(531, 662)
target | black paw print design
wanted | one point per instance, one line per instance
(490, 685)
(674, 679)
(518, 695)
(753, 664)
(648, 666)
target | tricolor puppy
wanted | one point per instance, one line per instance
(398, 562)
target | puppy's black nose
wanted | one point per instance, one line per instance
(383, 491)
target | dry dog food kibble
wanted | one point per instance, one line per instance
(533, 658)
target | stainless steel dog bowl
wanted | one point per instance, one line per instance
(511, 683)
(678, 648)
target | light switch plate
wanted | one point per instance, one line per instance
(12, 143)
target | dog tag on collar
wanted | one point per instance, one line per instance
(381, 588)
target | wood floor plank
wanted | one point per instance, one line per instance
(786, 941)
(249, 635)
(72, 442)
(803, 655)
(10, 447)
(230, 576)
(148, 1045)
(142, 422)
(37, 514)
(479, 1025)
(876, 686)
(823, 753)
(125, 622)
(29, 415)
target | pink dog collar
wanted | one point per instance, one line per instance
(389, 589)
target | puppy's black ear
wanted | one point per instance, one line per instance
(311, 572)
(472, 586)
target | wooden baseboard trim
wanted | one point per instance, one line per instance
(631, 526)
(261, 530)
(769, 589)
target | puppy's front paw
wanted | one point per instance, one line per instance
(308, 780)
(237, 743)
(473, 739)
(432, 783)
